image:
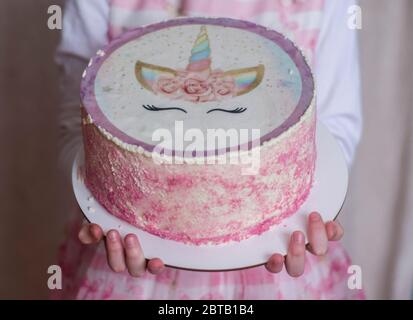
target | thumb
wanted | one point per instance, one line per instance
(90, 233)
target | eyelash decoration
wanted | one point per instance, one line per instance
(153, 108)
(237, 110)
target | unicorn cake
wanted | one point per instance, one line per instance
(199, 130)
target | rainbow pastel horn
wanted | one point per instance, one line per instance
(200, 59)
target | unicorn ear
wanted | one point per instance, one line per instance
(246, 79)
(147, 74)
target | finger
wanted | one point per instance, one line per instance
(90, 233)
(114, 251)
(334, 231)
(296, 255)
(317, 235)
(135, 261)
(275, 263)
(155, 266)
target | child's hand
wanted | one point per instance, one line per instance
(129, 255)
(318, 236)
(121, 255)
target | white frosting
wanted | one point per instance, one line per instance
(120, 96)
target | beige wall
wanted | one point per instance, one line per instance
(30, 225)
(378, 203)
(379, 211)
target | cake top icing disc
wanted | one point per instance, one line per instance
(192, 75)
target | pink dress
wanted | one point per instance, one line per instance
(86, 274)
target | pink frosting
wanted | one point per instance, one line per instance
(201, 204)
(196, 87)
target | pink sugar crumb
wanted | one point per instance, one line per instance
(179, 181)
(157, 207)
(283, 158)
(234, 225)
(235, 203)
(150, 217)
(150, 176)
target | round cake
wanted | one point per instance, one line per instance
(199, 130)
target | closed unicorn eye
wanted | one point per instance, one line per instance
(154, 108)
(236, 110)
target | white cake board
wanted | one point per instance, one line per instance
(327, 197)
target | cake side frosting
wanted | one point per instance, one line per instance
(202, 204)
